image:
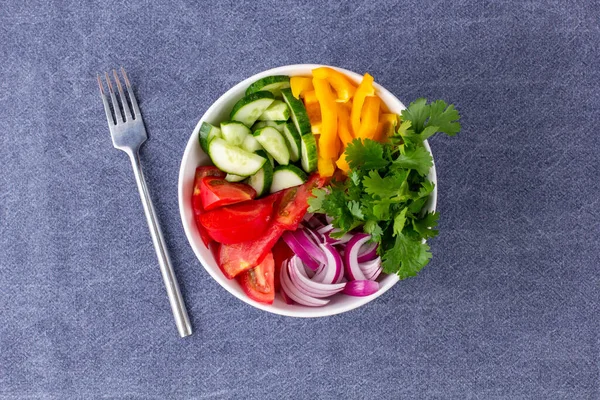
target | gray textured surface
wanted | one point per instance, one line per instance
(507, 309)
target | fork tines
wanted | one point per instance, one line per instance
(118, 119)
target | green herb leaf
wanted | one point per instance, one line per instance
(417, 158)
(399, 222)
(365, 155)
(444, 118)
(406, 258)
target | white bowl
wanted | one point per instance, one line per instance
(194, 157)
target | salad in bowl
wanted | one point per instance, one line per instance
(310, 190)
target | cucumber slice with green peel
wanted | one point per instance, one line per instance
(293, 140)
(261, 181)
(271, 160)
(235, 132)
(250, 107)
(275, 124)
(287, 176)
(272, 141)
(232, 159)
(273, 84)
(308, 152)
(251, 144)
(206, 134)
(277, 111)
(297, 112)
(235, 178)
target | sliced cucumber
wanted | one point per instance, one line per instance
(277, 111)
(250, 107)
(272, 141)
(286, 176)
(308, 146)
(251, 144)
(293, 140)
(271, 160)
(233, 160)
(297, 112)
(275, 124)
(261, 181)
(207, 133)
(235, 132)
(273, 84)
(235, 178)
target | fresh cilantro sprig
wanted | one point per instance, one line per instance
(387, 188)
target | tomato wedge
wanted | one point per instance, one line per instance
(258, 282)
(290, 205)
(237, 258)
(239, 222)
(217, 192)
(202, 172)
(294, 202)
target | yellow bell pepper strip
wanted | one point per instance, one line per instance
(310, 97)
(365, 88)
(369, 118)
(339, 147)
(326, 167)
(313, 110)
(327, 140)
(344, 129)
(342, 163)
(342, 86)
(386, 127)
(316, 130)
(299, 85)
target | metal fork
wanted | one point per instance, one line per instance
(128, 134)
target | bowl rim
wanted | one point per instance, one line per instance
(215, 273)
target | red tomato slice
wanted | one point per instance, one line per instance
(291, 205)
(202, 172)
(239, 222)
(258, 282)
(281, 253)
(217, 192)
(239, 257)
(294, 202)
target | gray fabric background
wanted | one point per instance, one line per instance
(507, 309)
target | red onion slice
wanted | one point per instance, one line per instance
(375, 274)
(367, 252)
(369, 267)
(309, 272)
(299, 250)
(340, 278)
(353, 271)
(308, 287)
(332, 269)
(325, 229)
(328, 229)
(285, 297)
(315, 236)
(309, 243)
(361, 288)
(293, 292)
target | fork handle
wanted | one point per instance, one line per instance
(175, 299)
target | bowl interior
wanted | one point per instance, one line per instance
(194, 157)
